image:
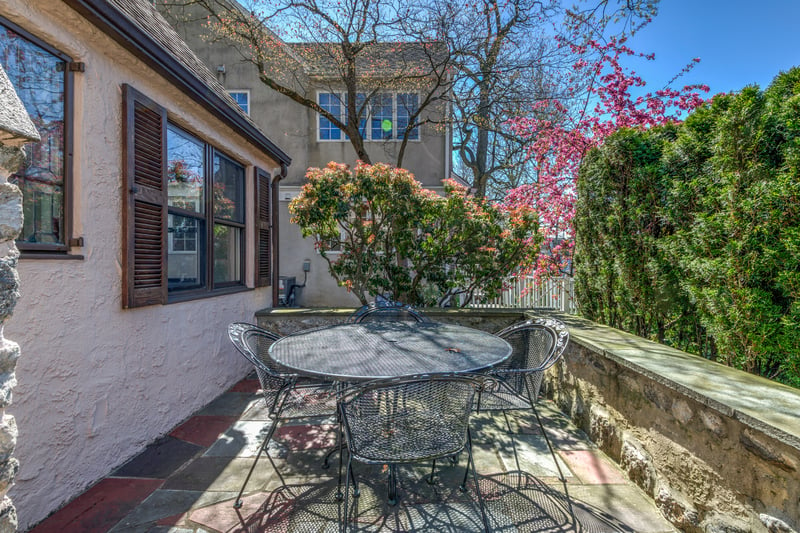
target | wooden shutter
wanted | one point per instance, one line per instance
(145, 201)
(263, 229)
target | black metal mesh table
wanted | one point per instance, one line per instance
(357, 352)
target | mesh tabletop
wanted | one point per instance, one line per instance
(355, 352)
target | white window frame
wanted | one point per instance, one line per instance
(368, 126)
(245, 92)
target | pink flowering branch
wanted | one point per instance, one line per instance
(560, 137)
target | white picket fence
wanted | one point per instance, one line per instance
(526, 292)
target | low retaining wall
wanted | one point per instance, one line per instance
(285, 320)
(718, 449)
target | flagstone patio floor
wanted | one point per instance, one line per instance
(187, 482)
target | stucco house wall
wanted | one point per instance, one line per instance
(98, 382)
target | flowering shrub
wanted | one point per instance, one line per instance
(392, 236)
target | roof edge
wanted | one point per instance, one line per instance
(132, 38)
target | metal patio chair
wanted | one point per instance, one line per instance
(409, 420)
(286, 396)
(383, 309)
(537, 345)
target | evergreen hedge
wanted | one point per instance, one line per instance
(690, 234)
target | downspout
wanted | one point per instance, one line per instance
(276, 231)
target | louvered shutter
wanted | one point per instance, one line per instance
(263, 229)
(145, 201)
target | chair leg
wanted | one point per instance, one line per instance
(433, 471)
(392, 485)
(470, 461)
(262, 449)
(561, 475)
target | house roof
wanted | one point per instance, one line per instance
(140, 28)
(377, 60)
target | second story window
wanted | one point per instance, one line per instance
(42, 79)
(387, 118)
(242, 98)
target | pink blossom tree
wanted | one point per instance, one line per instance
(562, 131)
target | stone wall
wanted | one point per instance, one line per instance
(717, 449)
(286, 320)
(16, 129)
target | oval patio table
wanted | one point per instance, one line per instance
(371, 350)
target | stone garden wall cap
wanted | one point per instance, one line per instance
(16, 127)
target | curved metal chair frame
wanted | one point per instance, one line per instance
(285, 397)
(387, 310)
(537, 345)
(409, 420)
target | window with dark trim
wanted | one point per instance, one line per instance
(42, 78)
(184, 216)
(388, 115)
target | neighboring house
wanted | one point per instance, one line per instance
(313, 141)
(148, 229)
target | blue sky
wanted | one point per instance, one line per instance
(739, 42)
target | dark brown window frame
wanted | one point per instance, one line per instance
(56, 251)
(209, 286)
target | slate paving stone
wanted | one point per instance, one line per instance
(230, 404)
(221, 474)
(160, 459)
(627, 504)
(98, 509)
(593, 467)
(203, 430)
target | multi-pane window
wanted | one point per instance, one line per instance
(407, 105)
(199, 238)
(388, 116)
(382, 117)
(242, 98)
(332, 103)
(41, 77)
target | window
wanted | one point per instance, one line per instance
(185, 218)
(242, 98)
(43, 81)
(388, 116)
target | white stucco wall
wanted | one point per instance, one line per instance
(96, 382)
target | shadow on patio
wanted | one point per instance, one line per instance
(187, 482)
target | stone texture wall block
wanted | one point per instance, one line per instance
(8, 436)
(7, 383)
(638, 464)
(759, 447)
(8, 516)
(8, 473)
(677, 508)
(714, 424)
(9, 353)
(775, 525)
(9, 287)
(10, 211)
(682, 411)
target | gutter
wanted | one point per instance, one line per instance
(117, 26)
(275, 232)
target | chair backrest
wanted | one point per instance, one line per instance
(253, 343)
(386, 310)
(536, 346)
(409, 419)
